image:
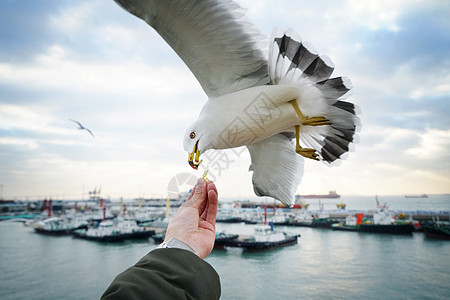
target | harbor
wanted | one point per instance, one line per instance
(305, 260)
(323, 263)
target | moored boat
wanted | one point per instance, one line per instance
(59, 226)
(437, 230)
(107, 231)
(264, 238)
(383, 222)
(224, 239)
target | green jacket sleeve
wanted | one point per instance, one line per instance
(169, 273)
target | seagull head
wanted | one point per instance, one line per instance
(192, 143)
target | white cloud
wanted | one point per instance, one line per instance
(54, 70)
(32, 118)
(434, 144)
(27, 143)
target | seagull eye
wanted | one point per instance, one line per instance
(192, 135)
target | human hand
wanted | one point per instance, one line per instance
(194, 222)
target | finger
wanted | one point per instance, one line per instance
(211, 185)
(203, 210)
(192, 193)
(213, 202)
(199, 194)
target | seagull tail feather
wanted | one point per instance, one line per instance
(294, 62)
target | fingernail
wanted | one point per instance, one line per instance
(200, 182)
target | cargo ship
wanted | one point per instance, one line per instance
(417, 196)
(331, 194)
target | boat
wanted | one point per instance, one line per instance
(322, 219)
(437, 230)
(301, 218)
(224, 239)
(124, 228)
(264, 238)
(330, 195)
(107, 231)
(383, 222)
(251, 218)
(59, 225)
(225, 218)
(145, 215)
(229, 215)
(417, 196)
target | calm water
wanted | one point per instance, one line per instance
(324, 265)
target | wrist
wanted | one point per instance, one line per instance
(176, 243)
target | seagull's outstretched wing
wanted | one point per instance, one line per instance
(87, 129)
(79, 124)
(277, 168)
(214, 38)
(82, 127)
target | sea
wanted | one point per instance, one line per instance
(325, 264)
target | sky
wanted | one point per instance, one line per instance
(93, 62)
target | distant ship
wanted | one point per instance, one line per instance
(417, 196)
(331, 194)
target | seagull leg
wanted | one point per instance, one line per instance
(305, 152)
(306, 121)
(309, 121)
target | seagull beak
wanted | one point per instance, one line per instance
(194, 157)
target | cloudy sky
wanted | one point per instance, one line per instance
(93, 62)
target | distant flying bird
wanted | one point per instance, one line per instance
(257, 98)
(81, 127)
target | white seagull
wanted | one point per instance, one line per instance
(257, 98)
(81, 127)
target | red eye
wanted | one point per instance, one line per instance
(192, 135)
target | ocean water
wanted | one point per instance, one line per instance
(324, 264)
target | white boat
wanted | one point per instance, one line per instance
(110, 231)
(59, 225)
(265, 237)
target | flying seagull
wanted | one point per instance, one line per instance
(81, 127)
(262, 94)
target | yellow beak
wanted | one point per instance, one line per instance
(194, 156)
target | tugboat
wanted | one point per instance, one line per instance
(224, 239)
(264, 238)
(107, 231)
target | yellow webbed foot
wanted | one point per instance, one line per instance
(315, 121)
(307, 152)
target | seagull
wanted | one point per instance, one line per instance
(81, 127)
(275, 96)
